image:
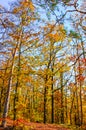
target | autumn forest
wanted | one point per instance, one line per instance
(43, 63)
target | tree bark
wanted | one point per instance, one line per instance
(62, 98)
(7, 100)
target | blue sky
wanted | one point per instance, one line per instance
(5, 2)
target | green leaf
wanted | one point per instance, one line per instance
(74, 34)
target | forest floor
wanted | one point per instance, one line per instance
(36, 126)
(25, 125)
(39, 126)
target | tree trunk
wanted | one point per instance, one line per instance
(52, 98)
(15, 99)
(62, 98)
(80, 92)
(66, 108)
(17, 83)
(7, 99)
(71, 109)
(45, 104)
(6, 107)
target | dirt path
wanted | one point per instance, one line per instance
(38, 126)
